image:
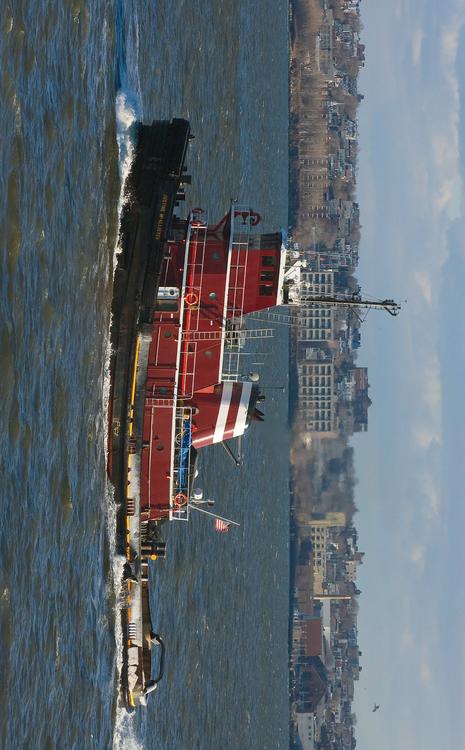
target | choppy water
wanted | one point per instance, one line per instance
(72, 75)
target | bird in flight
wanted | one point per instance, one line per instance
(375, 707)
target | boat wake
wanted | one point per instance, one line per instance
(124, 737)
(126, 118)
(123, 732)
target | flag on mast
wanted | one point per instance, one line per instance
(221, 526)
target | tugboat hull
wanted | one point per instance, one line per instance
(152, 191)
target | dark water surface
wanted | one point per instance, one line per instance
(72, 75)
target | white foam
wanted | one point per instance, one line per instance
(126, 116)
(124, 737)
(123, 734)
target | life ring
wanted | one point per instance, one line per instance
(196, 221)
(180, 500)
(191, 299)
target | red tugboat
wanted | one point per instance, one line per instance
(182, 290)
(183, 399)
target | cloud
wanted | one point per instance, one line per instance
(417, 555)
(445, 142)
(406, 638)
(425, 437)
(431, 386)
(424, 284)
(445, 149)
(432, 494)
(450, 41)
(426, 675)
(417, 41)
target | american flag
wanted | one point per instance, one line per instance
(221, 526)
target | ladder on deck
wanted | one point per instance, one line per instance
(255, 333)
(273, 317)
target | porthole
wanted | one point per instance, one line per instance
(167, 334)
(208, 353)
(216, 256)
(213, 295)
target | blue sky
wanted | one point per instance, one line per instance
(411, 492)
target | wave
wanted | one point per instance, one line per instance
(123, 731)
(126, 117)
(123, 734)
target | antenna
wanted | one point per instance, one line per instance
(354, 300)
(298, 291)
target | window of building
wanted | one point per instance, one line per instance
(265, 291)
(266, 276)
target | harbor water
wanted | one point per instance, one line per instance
(74, 75)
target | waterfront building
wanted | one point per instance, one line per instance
(321, 527)
(317, 398)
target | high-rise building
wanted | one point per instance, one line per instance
(317, 398)
(315, 332)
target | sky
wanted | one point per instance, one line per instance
(410, 464)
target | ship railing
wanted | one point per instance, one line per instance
(198, 230)
(236, 340)
(182, 463)
(160, 402)
(187, 375)
(237, 275)
(235, 293)
(243, 222)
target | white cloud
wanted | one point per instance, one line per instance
(398, 8)
(432, 388)
(417, 41)
(417, 555)
(446, 159)
(445, 139)
(425, 437)
(406, 638)
(450, 41)
(426, 675)
(424, 284)
(432, 495)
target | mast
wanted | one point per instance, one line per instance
(354, 300)
(392, 307)
(298, 290)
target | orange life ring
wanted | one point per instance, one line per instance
(191, 299)
(180, 500)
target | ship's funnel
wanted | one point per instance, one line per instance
(223, 413)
